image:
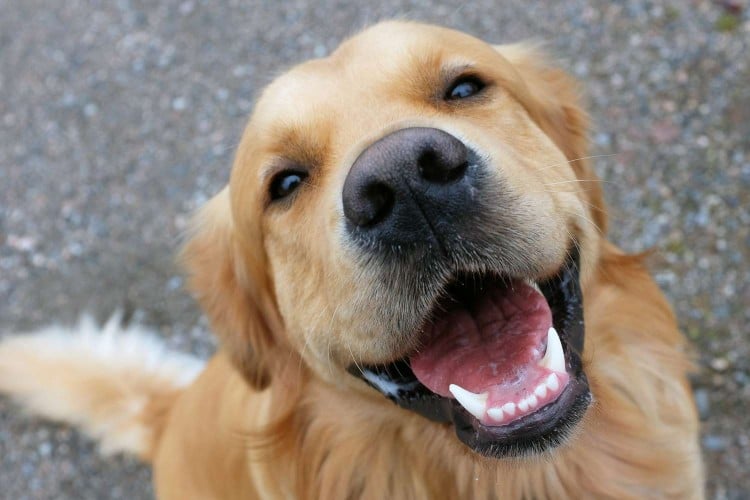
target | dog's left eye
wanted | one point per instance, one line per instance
(285, 183)
(463, 87)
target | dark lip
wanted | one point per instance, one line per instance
(546, 428)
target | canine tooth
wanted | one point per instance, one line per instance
(495, 414)
(541, 390)
(534, 285)
(552, 382)
(473, 403)
(554, 358)
(523, 405)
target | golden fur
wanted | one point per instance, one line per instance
(275, 415)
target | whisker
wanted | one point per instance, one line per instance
(594, 207)
(568, 162)
(556, 191)
(330, 337)
(580, 180)
(306, 338)
(351, 353)
(591, 223)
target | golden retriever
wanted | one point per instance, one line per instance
(415, 299)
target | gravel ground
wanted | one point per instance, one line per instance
(118, 118)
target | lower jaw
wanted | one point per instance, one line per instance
(545, 428)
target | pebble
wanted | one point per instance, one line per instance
(715, 443)
(719, 364)
(179, 104)
(702, 402)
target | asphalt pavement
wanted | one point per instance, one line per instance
(118, 118)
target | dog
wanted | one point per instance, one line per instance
(415, 298)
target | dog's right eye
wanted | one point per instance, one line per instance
(285, 183)
(464, 87)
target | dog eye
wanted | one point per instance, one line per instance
(463, 87)
(285, 183)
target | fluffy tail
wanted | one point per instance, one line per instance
(117, 384)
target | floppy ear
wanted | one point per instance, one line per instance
(233, 294)
(553, 101)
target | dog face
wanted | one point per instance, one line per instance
(413, 212)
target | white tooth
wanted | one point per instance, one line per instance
(553, 359)
(509, 409)
(533, 285)
(532, 401)
(495, 414)
(523, 405)
(474, 403)
(541, 390)
(552, 382)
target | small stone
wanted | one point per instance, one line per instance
(617, 80)
(179, 104)
(45, 449)
(703, 403)
(664, 132)
(21, 243)
(174, 283)
(719, 364)
(732, 6)
(241, 71)
(90, 109)
(603, 139)
(186, 8)
(320, 50)
(715, 443)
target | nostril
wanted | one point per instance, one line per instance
(434, 168)
(375, 203)
(381, 201)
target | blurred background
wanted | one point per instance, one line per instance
(119, 117)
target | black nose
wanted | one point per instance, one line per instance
(408, 186)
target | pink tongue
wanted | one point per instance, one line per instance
(494, 341)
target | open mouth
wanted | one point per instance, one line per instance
(499, 358)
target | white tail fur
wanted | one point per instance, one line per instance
(115, 383)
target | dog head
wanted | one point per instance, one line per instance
(413, 215)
